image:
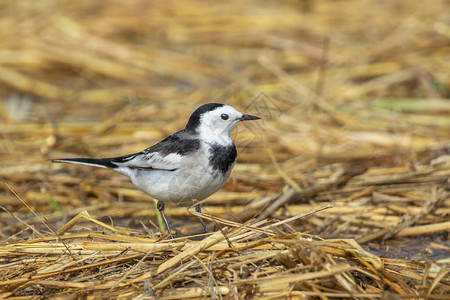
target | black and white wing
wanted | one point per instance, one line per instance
(169, 154)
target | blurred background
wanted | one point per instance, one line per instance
(343, 87)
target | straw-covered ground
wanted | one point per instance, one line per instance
(340, 191)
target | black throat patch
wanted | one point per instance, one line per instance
(222, 158)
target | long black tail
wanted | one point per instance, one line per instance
(101, 162)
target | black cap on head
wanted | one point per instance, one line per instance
(194, 120)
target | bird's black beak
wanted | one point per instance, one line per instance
(248, 117)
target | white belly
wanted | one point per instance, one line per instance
(195, 179)
(192, 178)
(181, 185)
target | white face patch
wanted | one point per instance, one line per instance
(215, 125)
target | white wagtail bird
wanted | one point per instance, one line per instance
(188, 165)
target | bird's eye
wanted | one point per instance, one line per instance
(224, 117)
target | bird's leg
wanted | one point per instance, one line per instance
(160, 207)
(198, 208)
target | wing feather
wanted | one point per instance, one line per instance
(168, 154)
